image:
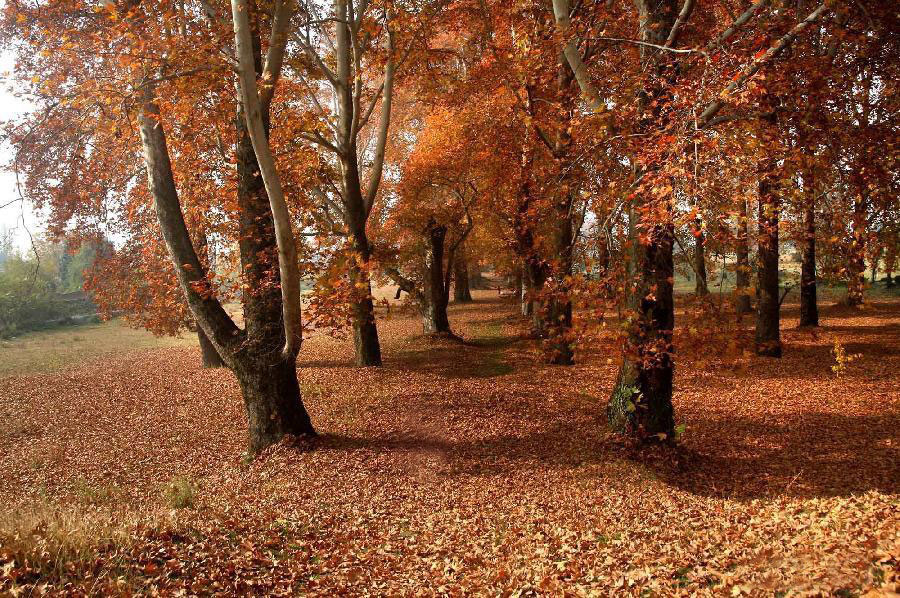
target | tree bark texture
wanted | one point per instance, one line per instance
(641, 400)
(768, 302)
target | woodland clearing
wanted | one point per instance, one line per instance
(460, 469)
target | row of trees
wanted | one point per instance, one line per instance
(574, 147)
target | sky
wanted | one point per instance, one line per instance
(18, 215)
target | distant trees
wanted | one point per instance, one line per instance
(42, 287)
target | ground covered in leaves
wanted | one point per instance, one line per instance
(460, 469)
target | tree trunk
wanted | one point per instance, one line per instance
(362, 309)
(274, 406)
(742, 302)
(809, 309)
(524, 290)
(244, 351)
(435, 297)
(558, 324)
(476, 278)
(211, 357)
(856, 265)
(641, 400)
(461, 291)
(701, 287)
(271, 396)
(536, 276)
(768, 320)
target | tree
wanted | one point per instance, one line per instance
(171, 73)
(431, 215)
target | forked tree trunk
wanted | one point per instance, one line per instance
(278, 399)
(809, 308)
(461, 291)
(768, 302)
(211, 357)
(257, 348)
(742, 302)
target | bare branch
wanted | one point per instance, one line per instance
(686, 9)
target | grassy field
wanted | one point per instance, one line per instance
(57, 348)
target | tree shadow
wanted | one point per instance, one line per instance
(812, 455)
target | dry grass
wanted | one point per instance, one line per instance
(52, 350)
(42, 542)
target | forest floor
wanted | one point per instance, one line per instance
(460, 469)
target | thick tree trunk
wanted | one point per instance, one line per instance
(641, 400)
(558, 324)
(809, 308)
(768, 303)
(742, 302)
(436, 295)
(271, 396)
(268, 379)
(461, 291)
(362, 312)
(244, 351)
(701, 287)
(211, 357)
(558, 309)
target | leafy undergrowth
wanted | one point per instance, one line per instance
(459, 469)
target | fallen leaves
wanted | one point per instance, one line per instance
(462, 469)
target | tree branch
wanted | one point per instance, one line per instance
(751, 69)
(284, 235)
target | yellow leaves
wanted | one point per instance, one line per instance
(842, 358)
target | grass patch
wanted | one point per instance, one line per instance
(181, 493)
(52, 350)
(45, 543)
